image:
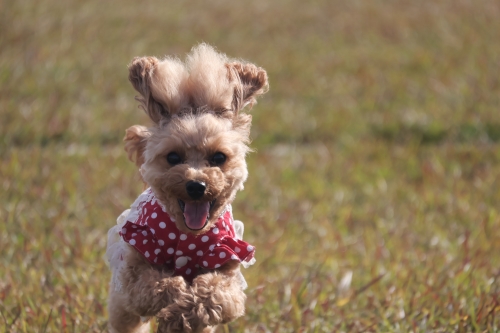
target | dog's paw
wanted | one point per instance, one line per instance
(173, 289)
(172, 320)
(219, 298)
(178, 316)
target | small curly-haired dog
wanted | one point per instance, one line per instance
(176, 253)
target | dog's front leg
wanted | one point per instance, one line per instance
(217, 298)
(143, 291)
(219, 295)
(150, 289)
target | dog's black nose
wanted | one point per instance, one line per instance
(195, 189)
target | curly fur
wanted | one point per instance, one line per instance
(196, 110)
(135, 143)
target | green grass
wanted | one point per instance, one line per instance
(373, 195)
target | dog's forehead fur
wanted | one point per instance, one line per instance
(203, 80)
(196, 137)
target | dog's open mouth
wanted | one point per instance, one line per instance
(196, 213)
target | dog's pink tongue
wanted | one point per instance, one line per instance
(195, 214)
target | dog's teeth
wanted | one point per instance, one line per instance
(182, 205)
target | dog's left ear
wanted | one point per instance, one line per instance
(251, 82)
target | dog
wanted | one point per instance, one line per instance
(176, 254)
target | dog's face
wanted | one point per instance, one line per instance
(195, 165)
(194, 157)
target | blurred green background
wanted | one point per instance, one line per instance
(373, 193)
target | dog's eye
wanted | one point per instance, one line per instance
(218, 158)
(173, 158)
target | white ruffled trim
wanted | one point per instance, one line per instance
(116, 250)
(249, 263)
(136, 208)
(239, 229)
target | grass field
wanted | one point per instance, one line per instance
(373, 197)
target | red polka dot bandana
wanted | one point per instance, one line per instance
(152, 232)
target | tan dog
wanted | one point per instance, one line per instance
(193, 158)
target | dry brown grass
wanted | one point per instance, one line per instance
(373, 195)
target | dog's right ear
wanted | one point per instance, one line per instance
(135, 143)
(140, 70)
(160, 85)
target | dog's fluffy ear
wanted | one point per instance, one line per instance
(252, 83)
(135, 143)
(161, 85)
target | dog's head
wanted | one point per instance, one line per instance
(194, 155)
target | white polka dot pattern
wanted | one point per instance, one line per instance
(161, 243)
(181, 262)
